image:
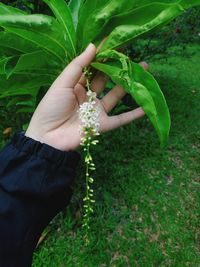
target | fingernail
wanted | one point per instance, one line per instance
(89, 46)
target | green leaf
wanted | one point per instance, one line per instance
(15, 100)
(19, 92)
(75, 6)
(33, 21)
(26, 110)
(6, 10)
(25, 103)
(22, 84)
(88, 23)
(189, 3)
(40, 30)
(64, 17)
(91, 26)
(143, 88)
(9, 65)
(37, 62)
(3, 62)
(146, 91)
(125, 27)
(12, 44)
(6, 51)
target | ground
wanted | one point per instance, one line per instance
(147, 207)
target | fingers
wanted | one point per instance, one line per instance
(101, 43)
(144, 65)
(110, 100)
(82, 80)
(80, 93)
(96, 80)
(99, 82)
(72, 73)
(124, 118)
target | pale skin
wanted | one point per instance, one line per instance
(55, 120)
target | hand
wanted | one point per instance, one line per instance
(56, 122)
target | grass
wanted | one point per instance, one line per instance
(147, 207)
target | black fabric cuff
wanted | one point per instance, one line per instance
(45, 151)
(35, 184)
(36, 169)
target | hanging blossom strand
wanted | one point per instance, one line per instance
(89, 113)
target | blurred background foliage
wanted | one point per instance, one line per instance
(148, 196)
(182, 31)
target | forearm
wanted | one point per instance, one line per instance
(35, 184)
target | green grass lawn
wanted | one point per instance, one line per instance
(147, 208)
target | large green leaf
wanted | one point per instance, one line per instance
(189, 3)
(6, 51)
(23, 21)
(75, 6)
(125, 27)
(63, 15)
(123, 20)
(41, 30)
(12, 44)
(37, 62)
(23, 84)
(12, 61)
(143, 88)
(43, 40)
(91, 24)
(87, 26)
(6, 10)
(3, 62)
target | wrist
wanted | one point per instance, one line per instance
(37, 136)
(32, 147)
(52, 140)
(33, 135)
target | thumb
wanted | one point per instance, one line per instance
(72, 73)
(144, 64)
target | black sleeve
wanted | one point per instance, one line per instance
(35, 184)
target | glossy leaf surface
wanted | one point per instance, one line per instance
(75, 6)
(48, 36)
(64, 17)
(6, 10)
(14, 44)
(88, 25)
(38, 61)
(125, 27)
(143, 88)
(129, 25)
(15, 85)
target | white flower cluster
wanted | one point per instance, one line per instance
(89, 114)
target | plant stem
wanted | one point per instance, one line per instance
(87, 142)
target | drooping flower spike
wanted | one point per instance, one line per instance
(89, 116)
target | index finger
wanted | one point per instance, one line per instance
(70, 76)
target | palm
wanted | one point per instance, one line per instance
(60, 119)
(56, 121)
